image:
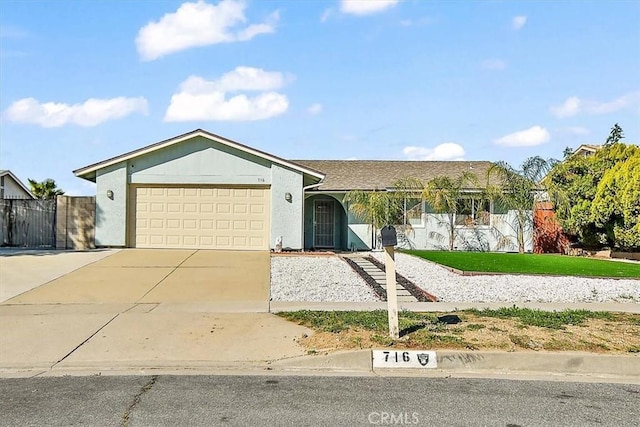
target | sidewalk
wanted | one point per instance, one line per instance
(89, 339)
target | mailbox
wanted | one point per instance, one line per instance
(389, 237)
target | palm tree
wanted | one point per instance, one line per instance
(442, 193)
(377, 208)
(517, 191)
(45, 190)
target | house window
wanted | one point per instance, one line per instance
(473, 211)
(413, 209)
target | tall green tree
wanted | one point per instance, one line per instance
(616, 204)
(516, 190)
(45, 190)
(596, 197)
(442, 193)
(616, 135)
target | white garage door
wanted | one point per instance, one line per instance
(201, 217)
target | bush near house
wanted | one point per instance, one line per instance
(597, 197)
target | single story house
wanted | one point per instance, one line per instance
(12, 188)
(200, 190)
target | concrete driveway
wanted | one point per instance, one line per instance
(137, 309)
(24, 269)
(156, 276)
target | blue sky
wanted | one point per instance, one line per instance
(476, 80)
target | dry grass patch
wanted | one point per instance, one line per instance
(510, 330)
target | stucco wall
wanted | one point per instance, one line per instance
(360, 237)
(432, 233)
(286, 216)
(200, 161)
(499, 237)
(111, 215)
(75, 222)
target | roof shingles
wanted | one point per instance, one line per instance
(345, 175)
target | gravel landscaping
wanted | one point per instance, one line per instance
(328, 278)
(321, 278)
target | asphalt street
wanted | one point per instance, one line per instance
(311, 400)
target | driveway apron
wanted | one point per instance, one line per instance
(161, 276)
(148, 308)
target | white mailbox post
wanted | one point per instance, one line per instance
(389, 240)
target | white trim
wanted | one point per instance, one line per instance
(17, 181)
(158, 146)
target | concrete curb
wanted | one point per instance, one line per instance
(279, 306)
(570, 365)
(624, 368)
(627, 366)
(344, 361)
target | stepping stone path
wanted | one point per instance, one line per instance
(379, 276)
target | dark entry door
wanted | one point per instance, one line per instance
(323, 224)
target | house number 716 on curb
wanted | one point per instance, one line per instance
(404, 358)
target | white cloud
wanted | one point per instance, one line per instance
(366, 7)
(200, 99)
(494, 64)
(417, 22)
(446, 151)
(518, 22)
(573, 105)
(90, 113)
(326, 15)
(620, 103)
(533, 136)
(241, 78)
(315, 109)
(570, 107)
(199, 24)
(214, 106)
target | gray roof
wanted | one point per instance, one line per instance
(344, 175)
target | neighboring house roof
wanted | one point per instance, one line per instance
(345, 175)
(586, 149)
(7, 173)
(89, 172)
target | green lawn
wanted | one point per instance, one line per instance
(561, 265)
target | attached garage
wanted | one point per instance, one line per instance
(199, 191)
(203, 217)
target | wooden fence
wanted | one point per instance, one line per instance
(65, 223)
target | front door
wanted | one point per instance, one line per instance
(323, 224)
